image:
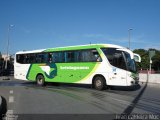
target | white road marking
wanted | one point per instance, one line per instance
(11, 99)
(11, 91)
(9, 112)
(122, 101)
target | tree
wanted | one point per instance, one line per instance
(145, 61)
(144, 64)
(156, 61)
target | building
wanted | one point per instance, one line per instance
(5, 57)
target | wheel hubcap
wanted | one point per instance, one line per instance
(98, 83)
(40, 80)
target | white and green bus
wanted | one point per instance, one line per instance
(100, 65)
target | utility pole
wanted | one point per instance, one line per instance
(129, 38)
(8, 38)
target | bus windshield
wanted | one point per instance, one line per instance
(131, 65)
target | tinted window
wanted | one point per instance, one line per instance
(130, 63)
(58, 57)
(115, 57)
(77, 56)
(90, 55)
(41, 58)
(31, 58)
(20, 58)
(69, 56)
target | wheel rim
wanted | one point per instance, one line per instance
(98, 83)
(40, 80)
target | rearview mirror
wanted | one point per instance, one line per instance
(137, 57)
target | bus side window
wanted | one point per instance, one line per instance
(96, 56)
(69, 56)
(38, 58)
(77, 56)
(41, 58)
(55, 57)
(50, 57)
(90, 56)
(20, 58)
(32, 58)
(26, 59)
(85, 54)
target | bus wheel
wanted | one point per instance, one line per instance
(40, 80)
(99, 83)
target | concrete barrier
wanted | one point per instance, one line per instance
(151, 78)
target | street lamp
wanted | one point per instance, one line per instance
(129, 37)
(8, 38)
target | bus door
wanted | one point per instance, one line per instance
(118, 76)
(118, 71)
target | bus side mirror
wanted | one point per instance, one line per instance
(137, 57)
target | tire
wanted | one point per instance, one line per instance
(99, 83)
(40, 80)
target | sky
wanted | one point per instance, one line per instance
(38, 24)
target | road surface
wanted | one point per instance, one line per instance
(24, 99)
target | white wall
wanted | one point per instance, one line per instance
(152, 78)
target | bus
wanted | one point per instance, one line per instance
(100, 65)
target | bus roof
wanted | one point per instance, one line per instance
(76, 47)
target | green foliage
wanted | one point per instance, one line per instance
(156, 61)
(146, 61)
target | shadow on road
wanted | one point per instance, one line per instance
(125, 88)
(69, 86)
(133, 104)
(3, 108)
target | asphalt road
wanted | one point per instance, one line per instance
(62, 101)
